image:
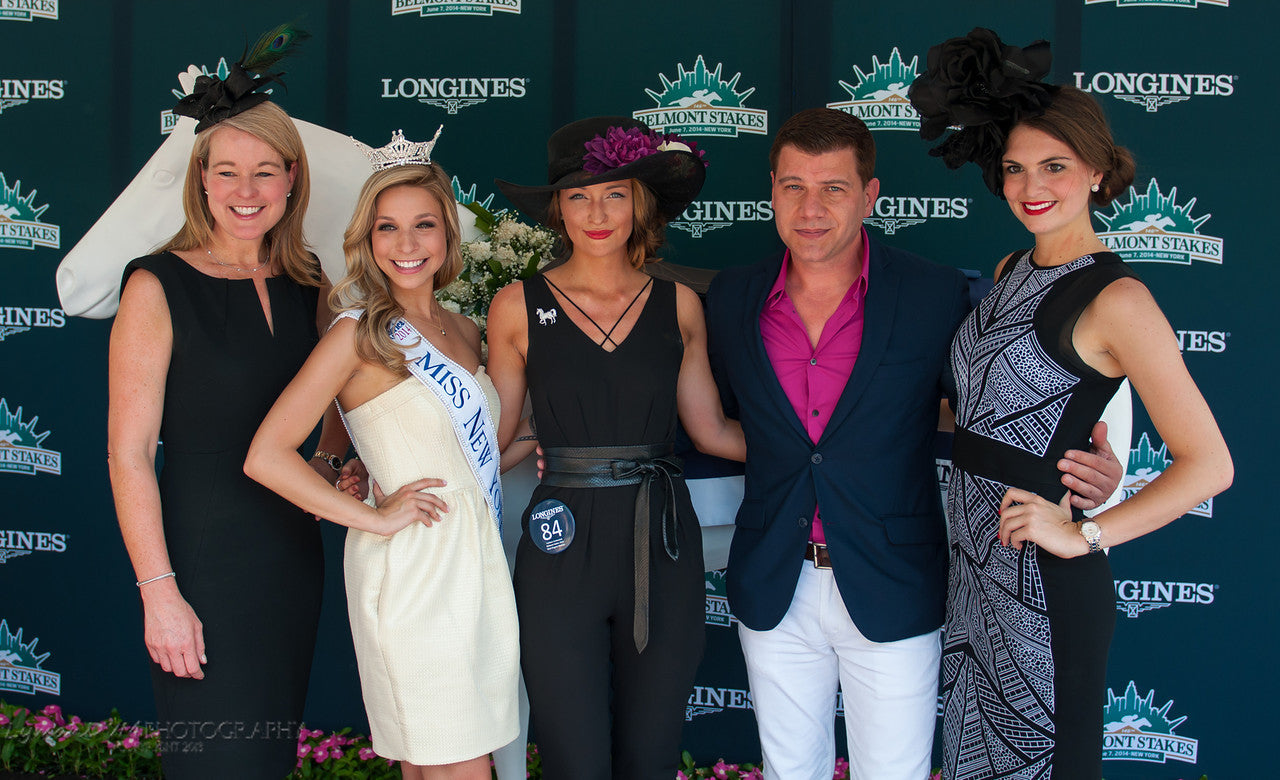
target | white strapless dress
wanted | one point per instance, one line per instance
(432, 611)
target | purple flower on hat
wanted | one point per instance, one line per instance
(618, 147)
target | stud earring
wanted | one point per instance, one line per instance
(289, 194)
(1094, 188)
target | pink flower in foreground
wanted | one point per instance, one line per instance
(42, 724)
(130, 741)
(55, 712)
(303, 750)
(4, 719)
(320, 755)
(842, 770)
(721, 770)
(936, 775)
(680, 775)
(367, 754)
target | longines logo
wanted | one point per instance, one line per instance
(705, 701)
(454, 7)
(20, 450)
(1211, 341)
(14, 544)
(1161, 3)
(20, 225)
(699, 102)
(26, 10)
(19, 319)
(705, 215)
(1153, 228)
(455, 92)
(1133, 597)
(1145, 464)
(1153, 91)
(1136, 730)
(20, 667)
(892, 213)
(879, 98)
(16, 92)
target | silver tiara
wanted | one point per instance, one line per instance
(400, 151)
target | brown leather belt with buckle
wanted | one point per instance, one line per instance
(818, 554)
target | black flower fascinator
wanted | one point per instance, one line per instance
(984, 87)
(214, 99)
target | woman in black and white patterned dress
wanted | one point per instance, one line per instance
(1031, 608)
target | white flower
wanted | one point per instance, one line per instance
(452, 306)
(673, 146)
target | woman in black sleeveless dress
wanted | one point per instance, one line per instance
(208, 333)
(1031, 603)
(608, 578)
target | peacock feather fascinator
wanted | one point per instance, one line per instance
(213, 99)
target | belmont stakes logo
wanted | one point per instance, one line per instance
(20, 225)
(1133, 597)
(699, 102)
(1161, 3)
(465, 197)
(16, 92)
(705, 701)
(20, 670)
(891, 214)
(1135, 730)
(879, 98)
(705, 215)
(454, 7)
(455, 92)
(26, 10)
(20, 450)
(1153, 91)
(1145, 464)
(1153, 228)
(14, 544)
(19, 319)
(718, 613)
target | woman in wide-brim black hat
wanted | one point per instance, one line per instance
(608, 578)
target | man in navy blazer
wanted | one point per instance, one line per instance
(834, 357)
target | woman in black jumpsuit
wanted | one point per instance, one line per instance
(611, 612)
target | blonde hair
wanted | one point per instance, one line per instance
(285, 245)
(365, 286)
(648, 226)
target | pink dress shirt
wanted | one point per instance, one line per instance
(814, 377)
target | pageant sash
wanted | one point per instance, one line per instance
(463, 400)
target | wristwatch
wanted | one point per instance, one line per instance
(1092, 533)
(332, 461)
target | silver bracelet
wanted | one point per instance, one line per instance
(140, 583)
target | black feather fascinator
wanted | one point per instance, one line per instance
(214, 99)
(983, 87)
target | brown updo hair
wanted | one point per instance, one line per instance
(1075, 118)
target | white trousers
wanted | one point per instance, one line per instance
(890, 691)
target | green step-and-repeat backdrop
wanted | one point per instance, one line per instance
(85, 93)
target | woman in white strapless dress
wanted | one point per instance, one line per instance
(428, 591)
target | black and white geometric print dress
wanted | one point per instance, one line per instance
(1025, 650)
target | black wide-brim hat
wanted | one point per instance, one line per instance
(674, 176)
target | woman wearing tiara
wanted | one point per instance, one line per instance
(608, 573)
(428, 590)
(1031, 606)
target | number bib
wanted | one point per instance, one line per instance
(551, 526)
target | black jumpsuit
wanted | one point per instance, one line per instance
(600, 710)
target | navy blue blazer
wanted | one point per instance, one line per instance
(872, 472)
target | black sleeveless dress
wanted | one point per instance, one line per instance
(248, 562)
(1024, 657)
(599, 709)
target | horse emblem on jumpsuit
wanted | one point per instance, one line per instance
(547, 317)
